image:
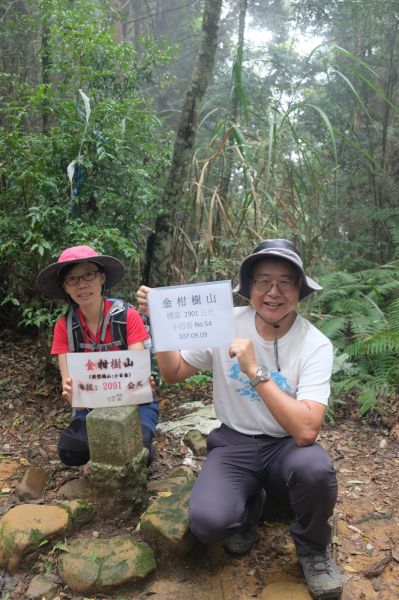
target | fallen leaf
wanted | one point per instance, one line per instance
(354, 482)
(376, 568)
(354, 529)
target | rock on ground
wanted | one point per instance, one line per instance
(33, 484)
(42, 587)
(165, 523)
(96, 564)
(24, 527)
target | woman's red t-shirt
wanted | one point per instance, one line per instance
(135, 330)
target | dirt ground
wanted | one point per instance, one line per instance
(366, 521)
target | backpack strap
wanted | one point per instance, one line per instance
(117, 317)
(75, 332)
(119, 322)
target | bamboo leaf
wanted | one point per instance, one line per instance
(353, 90)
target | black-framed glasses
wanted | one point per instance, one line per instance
(74, 279)
(284, 287)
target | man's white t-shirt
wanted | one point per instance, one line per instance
(305, 357)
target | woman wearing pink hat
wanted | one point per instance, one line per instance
(81, 276)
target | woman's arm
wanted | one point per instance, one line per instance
(66, 379)
(136, 346)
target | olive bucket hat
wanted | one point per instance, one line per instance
(50, 281)
(278, 248)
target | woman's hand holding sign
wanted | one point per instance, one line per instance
(67, 389)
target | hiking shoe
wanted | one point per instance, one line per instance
(322, 576)
(241, 542)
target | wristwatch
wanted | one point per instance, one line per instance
(262, 374)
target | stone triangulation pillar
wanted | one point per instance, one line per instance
(118, 460)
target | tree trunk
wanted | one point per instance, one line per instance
(232, 117)
(45, 73)
(159, 248)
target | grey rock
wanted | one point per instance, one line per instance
(196, 441)
(33, 484)
(42, 587)
(76, 489)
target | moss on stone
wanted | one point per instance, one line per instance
(146, 561)
(35, 536)
(7, 542)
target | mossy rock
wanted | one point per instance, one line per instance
(164, 525)
(25, 528)
(97, 564)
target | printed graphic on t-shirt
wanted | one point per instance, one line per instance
(246, 389)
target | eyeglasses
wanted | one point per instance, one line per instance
(284, 287)
(74, 279)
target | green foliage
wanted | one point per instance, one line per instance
(198, 379)
(292, 161)
(60, 547)
(120, 158)
(359, 312)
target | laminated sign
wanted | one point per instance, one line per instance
(191, 316)
(118, 378)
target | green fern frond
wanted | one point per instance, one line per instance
(385, 288)
(381, 343)
(393, 314)
(359, 312)
(332, 325)
(367, 400)
(342, 363)
(345, 386)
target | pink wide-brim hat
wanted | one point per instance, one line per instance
(49, 280)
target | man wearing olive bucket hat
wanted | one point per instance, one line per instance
(93, 323)
(270, 391)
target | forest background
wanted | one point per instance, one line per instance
(176, 135)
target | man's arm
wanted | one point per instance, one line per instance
(172, 366)
(301, 419)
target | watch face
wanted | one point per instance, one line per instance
(262, 374)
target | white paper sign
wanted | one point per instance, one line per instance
(191, 316)
(117, 378)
